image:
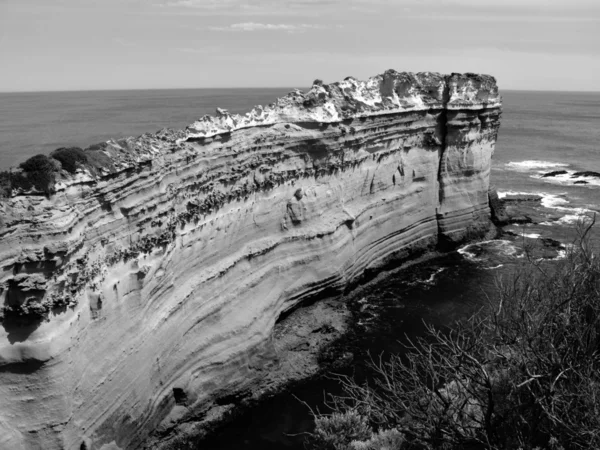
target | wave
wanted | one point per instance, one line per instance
(553, 201)
(534, 165)
(531, 235)
(547, 172)
(570, 178)
(503, 194)
(481, 251)
(494, 254)
(556, 201)
(562, 254)
(569, 219)
(433, 276)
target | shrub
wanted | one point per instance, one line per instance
(37, 163)
(522, 374)
(384, 440)
(70, 158)
(338, 430)
(40, 171)
(5, 184)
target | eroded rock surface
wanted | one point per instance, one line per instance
(134, 298)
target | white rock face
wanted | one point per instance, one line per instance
(138, 296)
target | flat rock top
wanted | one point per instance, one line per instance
(382, 94)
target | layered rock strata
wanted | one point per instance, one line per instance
(137, 295)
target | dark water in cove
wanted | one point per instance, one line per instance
(541, 132)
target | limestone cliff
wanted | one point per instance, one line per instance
(147, 285)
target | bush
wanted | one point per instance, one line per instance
(38, 163)
(384, 440)
(338, 430)
(5, 184)
(70, 158)
(523, 374)
(40, 172)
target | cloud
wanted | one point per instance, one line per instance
(202, 4)
(199, 50)
(252, 26)
(124, 42)
(244, 7)
(262, 7)
(571, 4)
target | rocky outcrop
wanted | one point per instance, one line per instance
(145, 288)
(497, 208)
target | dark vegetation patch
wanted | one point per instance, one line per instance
(70, 158)
(39, 173)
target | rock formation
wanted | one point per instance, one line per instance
(146, 284)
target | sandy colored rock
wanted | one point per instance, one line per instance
(162, 276)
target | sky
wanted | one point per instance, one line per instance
(147, 44)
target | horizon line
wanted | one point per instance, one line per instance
(58, 91)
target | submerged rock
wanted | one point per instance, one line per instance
(588, 173)
(554, 173)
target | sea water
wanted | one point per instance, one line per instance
(540, 132)
(39, 122)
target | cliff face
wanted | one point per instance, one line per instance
(140, 292)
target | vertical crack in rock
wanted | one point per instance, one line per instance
(443, 126)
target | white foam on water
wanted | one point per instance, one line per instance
(562, 254)
(531, 235)
(502, 246)
(557, 202)
(503, 194)
(431, 279)
(553, 201)
(467, 254)
(567, 179)
(572, 216)
(534, 165)
(543, 167)
(495, 267)
(569, 219)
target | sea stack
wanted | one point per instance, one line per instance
(139, 289)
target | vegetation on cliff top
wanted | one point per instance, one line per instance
(523, 374)
(37, 173)
(40, 172)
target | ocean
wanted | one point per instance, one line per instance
(541, 132)
(39, 122)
